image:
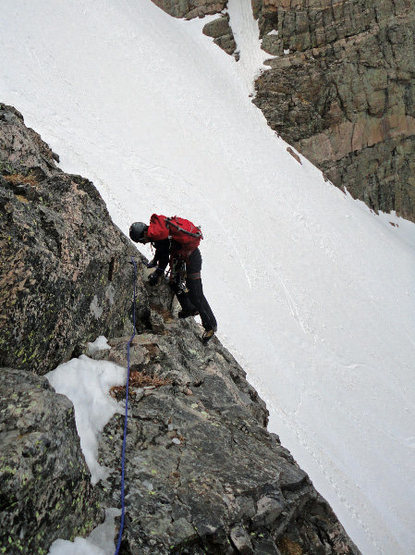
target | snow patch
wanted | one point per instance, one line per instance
(100, 344)
(95, 308)
(99, 542)
(246, 32)
(86, 383)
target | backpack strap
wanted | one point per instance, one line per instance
(170, 222)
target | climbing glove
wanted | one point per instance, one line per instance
(154, 278)
(152, 263)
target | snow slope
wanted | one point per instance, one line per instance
(313, 293)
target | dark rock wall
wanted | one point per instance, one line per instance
(344, 95)
(64, 271)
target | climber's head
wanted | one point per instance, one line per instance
(138, 232)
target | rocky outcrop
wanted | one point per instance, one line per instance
(341, 90)
(204, 474)
(191, 8)
(64, 272)
(220, 30)
(45, 486)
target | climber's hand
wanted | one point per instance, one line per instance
(152, 263)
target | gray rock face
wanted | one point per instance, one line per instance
(203, 473)
(64, 272)
(45, 486)
(342, 91)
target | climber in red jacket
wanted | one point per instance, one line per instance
(177, 240)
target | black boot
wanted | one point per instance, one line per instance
(187, 313)
(207, 336)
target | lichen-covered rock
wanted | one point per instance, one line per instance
(65, 275)
(203, 475)
(191, 8)
(342, 91)
(44, 482)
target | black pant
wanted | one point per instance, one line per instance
(192, 298)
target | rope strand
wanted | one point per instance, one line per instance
(124, 443)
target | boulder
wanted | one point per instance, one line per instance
(45, 485)
(220, 30)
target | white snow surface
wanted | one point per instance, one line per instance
(100, 344)
(314, 294)
(246, 32)
(99, 542)
(87, 382)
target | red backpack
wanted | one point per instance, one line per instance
(180, 230)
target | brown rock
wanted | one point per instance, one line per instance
(346, 86)
(294, 154)
(221, 31)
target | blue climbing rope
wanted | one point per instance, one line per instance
(126, 416)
